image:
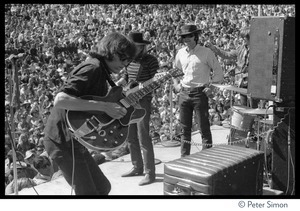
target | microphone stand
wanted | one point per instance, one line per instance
(171, 111)
(12, 131)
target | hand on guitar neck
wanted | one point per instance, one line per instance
(100, 130)
(157, 80)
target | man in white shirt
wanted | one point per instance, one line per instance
(197, 63)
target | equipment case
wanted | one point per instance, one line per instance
(221, 170)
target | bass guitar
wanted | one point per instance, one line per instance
(98, 131)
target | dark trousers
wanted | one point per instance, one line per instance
(190, 102)
(139, 140)
(88, 178)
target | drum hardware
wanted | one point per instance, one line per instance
(241, 120)
(236, 89)
(257, 111)
(247, 142)
(231, 88)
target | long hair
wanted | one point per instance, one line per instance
(41, 162)
(245, 32)
(22, 183)
(196, 36)
(114, 43)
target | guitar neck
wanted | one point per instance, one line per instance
(148, 86)
(136, 88)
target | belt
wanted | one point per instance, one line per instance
(187, 89)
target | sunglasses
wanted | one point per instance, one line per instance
(187, 36)
(124, 57)
(47, 164)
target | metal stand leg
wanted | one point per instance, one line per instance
(247, 143)
(231, 129)
(258, 136)
(171, 111)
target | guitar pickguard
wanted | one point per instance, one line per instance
(98, 131)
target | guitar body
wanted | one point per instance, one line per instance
(98, 131)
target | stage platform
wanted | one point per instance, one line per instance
(129, 185)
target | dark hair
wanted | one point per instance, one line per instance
(218, 104)
(113, 43)
(196, 37)
(41, 162)
(20, 156)
(245, 32)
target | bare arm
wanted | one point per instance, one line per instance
(66, 101)
(213, 62)
(223, 54)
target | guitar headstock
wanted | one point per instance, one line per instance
(175, 72)
(159, 75)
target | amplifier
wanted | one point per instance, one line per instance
(283, 154)
(271, 72)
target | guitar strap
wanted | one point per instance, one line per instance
(109, 79)
(138, 64)
(139, 72)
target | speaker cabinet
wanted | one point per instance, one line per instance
(283, 154)
(271, 72)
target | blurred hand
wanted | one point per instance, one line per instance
(208, 92)
(115, 111)
(208, 45)
(177, 88)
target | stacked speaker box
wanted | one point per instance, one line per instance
(283, 153)
(271, 74)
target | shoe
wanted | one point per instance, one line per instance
(148, 179)
(133, 172)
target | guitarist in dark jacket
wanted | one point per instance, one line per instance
(115, 51)
(141, 69)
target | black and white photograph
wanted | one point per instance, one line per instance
(158, 101)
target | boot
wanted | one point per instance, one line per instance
(148, 179)
(133, 172)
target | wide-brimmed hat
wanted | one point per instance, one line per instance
(137, 38)
(188, 29)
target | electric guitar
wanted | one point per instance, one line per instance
(134, 86)
(98, 131)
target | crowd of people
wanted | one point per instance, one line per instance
(51, 39)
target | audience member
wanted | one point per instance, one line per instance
(54, 38)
